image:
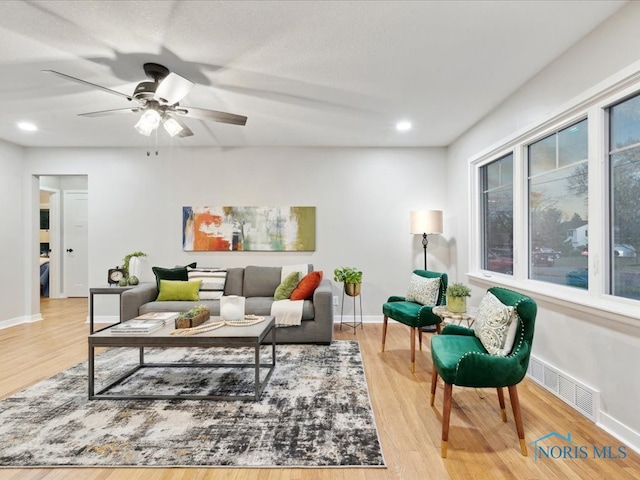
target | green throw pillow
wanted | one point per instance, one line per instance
(288, 285)
(171, 290)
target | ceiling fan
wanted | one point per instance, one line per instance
(158, 100)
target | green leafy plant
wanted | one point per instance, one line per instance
(125, 260)
(194, 312)
(347, 275)
(458, 290)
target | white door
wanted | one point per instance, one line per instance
(75, 240)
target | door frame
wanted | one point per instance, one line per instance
(54, 242)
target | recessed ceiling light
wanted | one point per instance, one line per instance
(403, 126)
(27, 126)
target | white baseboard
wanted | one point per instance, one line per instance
(348, 317)
(11, 322)
(620, 431)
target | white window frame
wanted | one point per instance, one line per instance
(592, 105)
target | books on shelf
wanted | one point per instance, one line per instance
(146, 323)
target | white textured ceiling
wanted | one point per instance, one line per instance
(306, 73)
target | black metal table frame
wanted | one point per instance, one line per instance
(110, 290)
(176, 342)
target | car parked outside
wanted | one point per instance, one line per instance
(501, 263)
(556, 254)
(623, 250)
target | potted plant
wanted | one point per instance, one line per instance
(457, 294)
(352, 279)
(131, 265)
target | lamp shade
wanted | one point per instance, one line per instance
(426, 221)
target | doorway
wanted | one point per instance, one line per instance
(64, 240)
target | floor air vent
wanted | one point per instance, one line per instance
(579, 396)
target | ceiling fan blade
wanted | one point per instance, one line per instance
(84, 82)
(173, 88)
(204, 114)
(104, 113)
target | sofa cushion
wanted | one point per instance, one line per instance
(261, 281)
(234, 282)
(171, 290)
(304, 290)
(290, 282)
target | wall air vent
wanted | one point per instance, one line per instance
(581, 397)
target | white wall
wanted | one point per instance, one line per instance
(593, 349)
(12, 246)
(363, 199)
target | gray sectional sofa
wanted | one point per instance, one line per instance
(257, 284)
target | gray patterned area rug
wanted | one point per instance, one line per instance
(314, 412)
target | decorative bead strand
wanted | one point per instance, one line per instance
(212, 326)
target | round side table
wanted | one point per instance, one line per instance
(451, 317)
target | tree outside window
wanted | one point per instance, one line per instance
(558, 207)
(624, 175)
(497, 219)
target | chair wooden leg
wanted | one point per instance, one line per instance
(446, 416)
(438, 329)
(501, 400)
(515, 405)
(384, 330)
(434, 384)
(420, 337)
(413, 349)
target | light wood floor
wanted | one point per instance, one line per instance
(481, 446)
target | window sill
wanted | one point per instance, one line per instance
(620, 310)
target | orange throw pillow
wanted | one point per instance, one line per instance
(307, 286)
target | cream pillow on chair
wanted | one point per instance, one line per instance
(496, 325)
(423, 290)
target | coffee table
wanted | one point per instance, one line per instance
(227, 336)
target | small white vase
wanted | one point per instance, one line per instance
(134, 267)
(232, 308)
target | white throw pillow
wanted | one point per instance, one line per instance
(423, 290)
(213, 280)
(496, 325)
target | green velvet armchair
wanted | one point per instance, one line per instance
(460, 358)
(413, 314)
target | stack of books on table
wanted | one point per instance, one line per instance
(146, 323)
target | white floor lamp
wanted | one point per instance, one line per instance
(426, 222)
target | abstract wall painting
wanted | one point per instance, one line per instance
(265, 229)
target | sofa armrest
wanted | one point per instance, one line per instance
(323, 306)
(131, 300)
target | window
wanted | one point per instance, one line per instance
(624, 178)
(558, 215)
(497, 221)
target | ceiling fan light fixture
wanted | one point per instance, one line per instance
(172, 127)
(143, 128)
(148, 122)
